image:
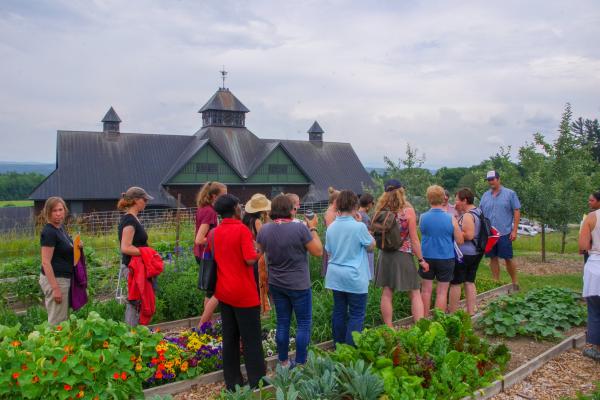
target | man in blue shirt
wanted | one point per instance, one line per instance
(502, 206)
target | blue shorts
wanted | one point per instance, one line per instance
(502, 249)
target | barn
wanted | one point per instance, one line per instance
(94, 168)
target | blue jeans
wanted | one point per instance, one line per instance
(286, 301)
(348, 316)
(593, 325)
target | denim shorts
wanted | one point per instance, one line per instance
(502, 249)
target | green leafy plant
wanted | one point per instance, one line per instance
(541, 313)
(439, 358)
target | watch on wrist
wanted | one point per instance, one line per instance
(420, 260)
(313, 229)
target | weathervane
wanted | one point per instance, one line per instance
(223, 75)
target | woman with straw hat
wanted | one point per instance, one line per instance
(255, 214)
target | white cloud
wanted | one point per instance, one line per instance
(453, 79)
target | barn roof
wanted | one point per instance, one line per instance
(97, 165)
(224, 100)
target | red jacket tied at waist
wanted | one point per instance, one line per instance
(139, 281)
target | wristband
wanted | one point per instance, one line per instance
(313, 229)
(420, 260)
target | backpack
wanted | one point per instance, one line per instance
(386, 231)
(485, 230)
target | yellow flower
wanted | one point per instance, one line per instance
(138, 367)
(184, 366)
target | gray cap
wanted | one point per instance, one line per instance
(136, 192)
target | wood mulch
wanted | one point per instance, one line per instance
(562, 377)
(554, 265)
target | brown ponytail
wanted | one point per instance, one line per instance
(208, 191)
(125, 203)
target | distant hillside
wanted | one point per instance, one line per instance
(380, 171)
(26, 167)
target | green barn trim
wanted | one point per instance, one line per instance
(206, 165)
(278, 168)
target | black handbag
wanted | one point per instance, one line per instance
(207, 275)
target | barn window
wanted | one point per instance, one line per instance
(278, 169)
(207, 168)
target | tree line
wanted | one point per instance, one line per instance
(18, 186)
(552, 178)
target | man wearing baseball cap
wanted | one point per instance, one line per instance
(502, 206)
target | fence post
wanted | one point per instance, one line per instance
(177, 228)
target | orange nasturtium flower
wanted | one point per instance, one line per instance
(138, 367)
(35, 379)
(123, 375)
(158, 375)
(24, 367)
(105, 344)
(116, 375)
(15, 375)
(184, 366)
(15, 343)
(80, 394)
(64, 359)
(67, 387)
(59, 328)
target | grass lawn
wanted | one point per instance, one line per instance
(16, 203)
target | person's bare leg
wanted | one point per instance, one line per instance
(511, 268)
(455, 291)
(387, 310)
(210, 305)
(495, 267)
(416, 305)
(441, 295)
(471, 297)
(426, 287)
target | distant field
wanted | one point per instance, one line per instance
(16, 203)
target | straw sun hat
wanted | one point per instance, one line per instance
(257, 203)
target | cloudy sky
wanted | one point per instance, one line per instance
(456, 79)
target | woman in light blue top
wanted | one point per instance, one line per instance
(347, 242)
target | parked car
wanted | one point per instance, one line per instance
(526, 230)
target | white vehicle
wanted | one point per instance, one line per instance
(526, 230)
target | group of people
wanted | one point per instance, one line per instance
(264, 237)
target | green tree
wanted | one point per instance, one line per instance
(16, 186)
(557, 178)
(588, 132)
(449, 178)
(501, 162)
(415, 179)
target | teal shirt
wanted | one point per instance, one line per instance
(348, 269)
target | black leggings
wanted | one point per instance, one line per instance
(242, 323)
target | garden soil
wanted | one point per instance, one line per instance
(524, 349)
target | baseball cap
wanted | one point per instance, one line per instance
(492, 175)
(391, 185)
(136, 192)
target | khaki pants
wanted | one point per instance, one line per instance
(56, 312)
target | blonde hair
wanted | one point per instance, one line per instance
(394, 200)
(208, 191)
(125, 203)
(49, 205)
(435, 195)
(333, 195)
